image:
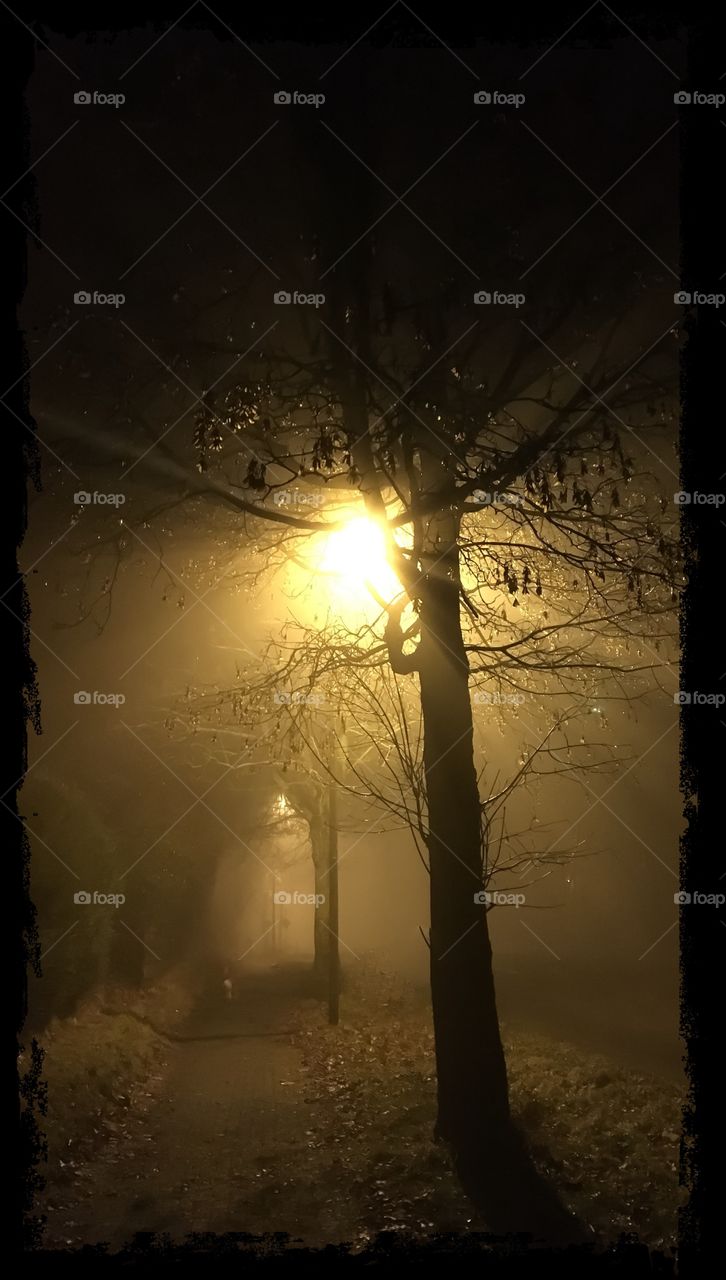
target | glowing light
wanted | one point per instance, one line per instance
(282, 807)
(356, 554)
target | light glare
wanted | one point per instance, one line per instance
(357, 554)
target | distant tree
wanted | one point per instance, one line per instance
(72, 855)
(288, 818)
(165, 860)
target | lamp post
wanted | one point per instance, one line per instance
(333, 949)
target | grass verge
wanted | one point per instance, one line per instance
(607, 1138)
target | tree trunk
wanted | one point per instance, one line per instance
(273, 918)
(321, 934)
(331, 895)
(473, 1104)
(473, 1098)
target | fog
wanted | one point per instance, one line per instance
(593, 957)
(355, 863)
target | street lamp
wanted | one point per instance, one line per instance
(355, 555)
(282, 808)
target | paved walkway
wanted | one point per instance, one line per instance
(229, 1145)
